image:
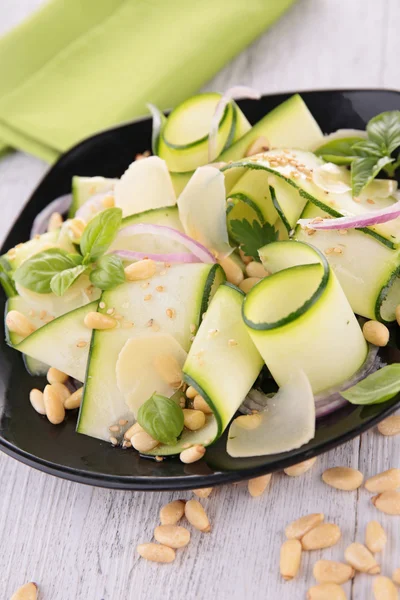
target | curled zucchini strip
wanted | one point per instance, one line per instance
(300, 318)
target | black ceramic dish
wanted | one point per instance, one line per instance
(58, 450)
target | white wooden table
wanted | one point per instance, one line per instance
(79, 542)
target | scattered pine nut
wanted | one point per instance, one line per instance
(54, 406)
(193, 419)
(258, 485)
(256, 269)
(95, 320)
(122, 422)
(343, 478)
(197, 516)
(77, 227)
(359, 557)
(156, 552)
(62, 390)
(326, 591)
(191, 392)
(375, 537)
(36, 398)
(297, 529)
(143, 442)
(388, 502)
(29, 591)
(56, 376)
(376, 333)
(173, 536)
(172, 512)
(247, 284)
(55, 222)
(396, 576)
(300, 468)
(143, 269)
(203, 492)
(233, 272)
(169, 369)
(192, 454)
(19, 324)
(290, 558)
(200, 404)
(249, 422)
(113, 428)
(390, 426)
(331, 571)
(382, 482)
(135, 428)
(324, 535)
(75, 399)
(384, 589)
(113, 440)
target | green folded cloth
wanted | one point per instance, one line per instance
(79, 66)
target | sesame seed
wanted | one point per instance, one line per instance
(273, 163)
(170, 312)
(356, 199)
(338, 250)
(167, 265)
(370, 201)
(232, 342)
(329, 251)
(311, 231)
(160, 288)
(37, 237)
(42, 315)
(147, 297)
(343, 231)
(159, 458)
(163, 272)
(317, 220)
(193, 328)
(32, 313)
(118, 316)
(113, 428)
(213, 332)
(309, 178)
(127, 324)
(295, 174)
(81, 344)
(150, 323)
(113, 440)
(145, 285)
(102, 304)
(122, 422)
(110, 311)
(286, 151)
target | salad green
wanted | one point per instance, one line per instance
(375, 388)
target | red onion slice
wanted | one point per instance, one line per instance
(198, 250)
(238, 91)
(170, 258)
(41, 221)
(364, 220)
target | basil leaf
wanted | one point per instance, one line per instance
(162, 418)
(37, 272)
(367, 148)
(63, 280)
(340, 151)
(76, 259)
(109, 272)
(384, 130)
(364, 170)
(99, 234)
(376, 388)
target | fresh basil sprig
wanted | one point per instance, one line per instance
(376, 388)
(368, 157)
(162, 418)
(37, 272)
(109, 272)
(99, 234)
(64, 279)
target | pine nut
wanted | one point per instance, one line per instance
(77, 227)
(19, 324)
(108, 202)
(191, 393)
(193, 419)
(56, 376)
(396, 576)
(384, 589)
(390, 426)
(95, 320)
(53, 403)
(143, 269)
(156, 552)
(247, 284)
(256, 269)
(36, 398)
(326, 591)
(75, 399)
(376, 333)
(300, 468)
(61, 390)
(343, 478)
(55, 222)
(260, 144)
(290, 558)
(233, 272)
(29, 591)
(258, 485)
(143, 442)
(249, 422)
(172, 512)
(382, 482)
(203, 492)
(169, 369)
(245, 259)
(197, 516)
(388, 502)
(324, 535)
(331, 571)
(135, 428)
(192, 454)
(200, 404)
(297, 529)
(173, 536)
(359, 557)
(375, 537)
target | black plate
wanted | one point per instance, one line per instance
(58, 450)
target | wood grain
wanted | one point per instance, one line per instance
(79, 542)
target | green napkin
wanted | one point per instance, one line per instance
(77, 66)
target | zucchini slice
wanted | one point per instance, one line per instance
(177, 312)
(85, 187)
(366, 270)
(300, 318)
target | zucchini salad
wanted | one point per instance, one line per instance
(240, 278)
